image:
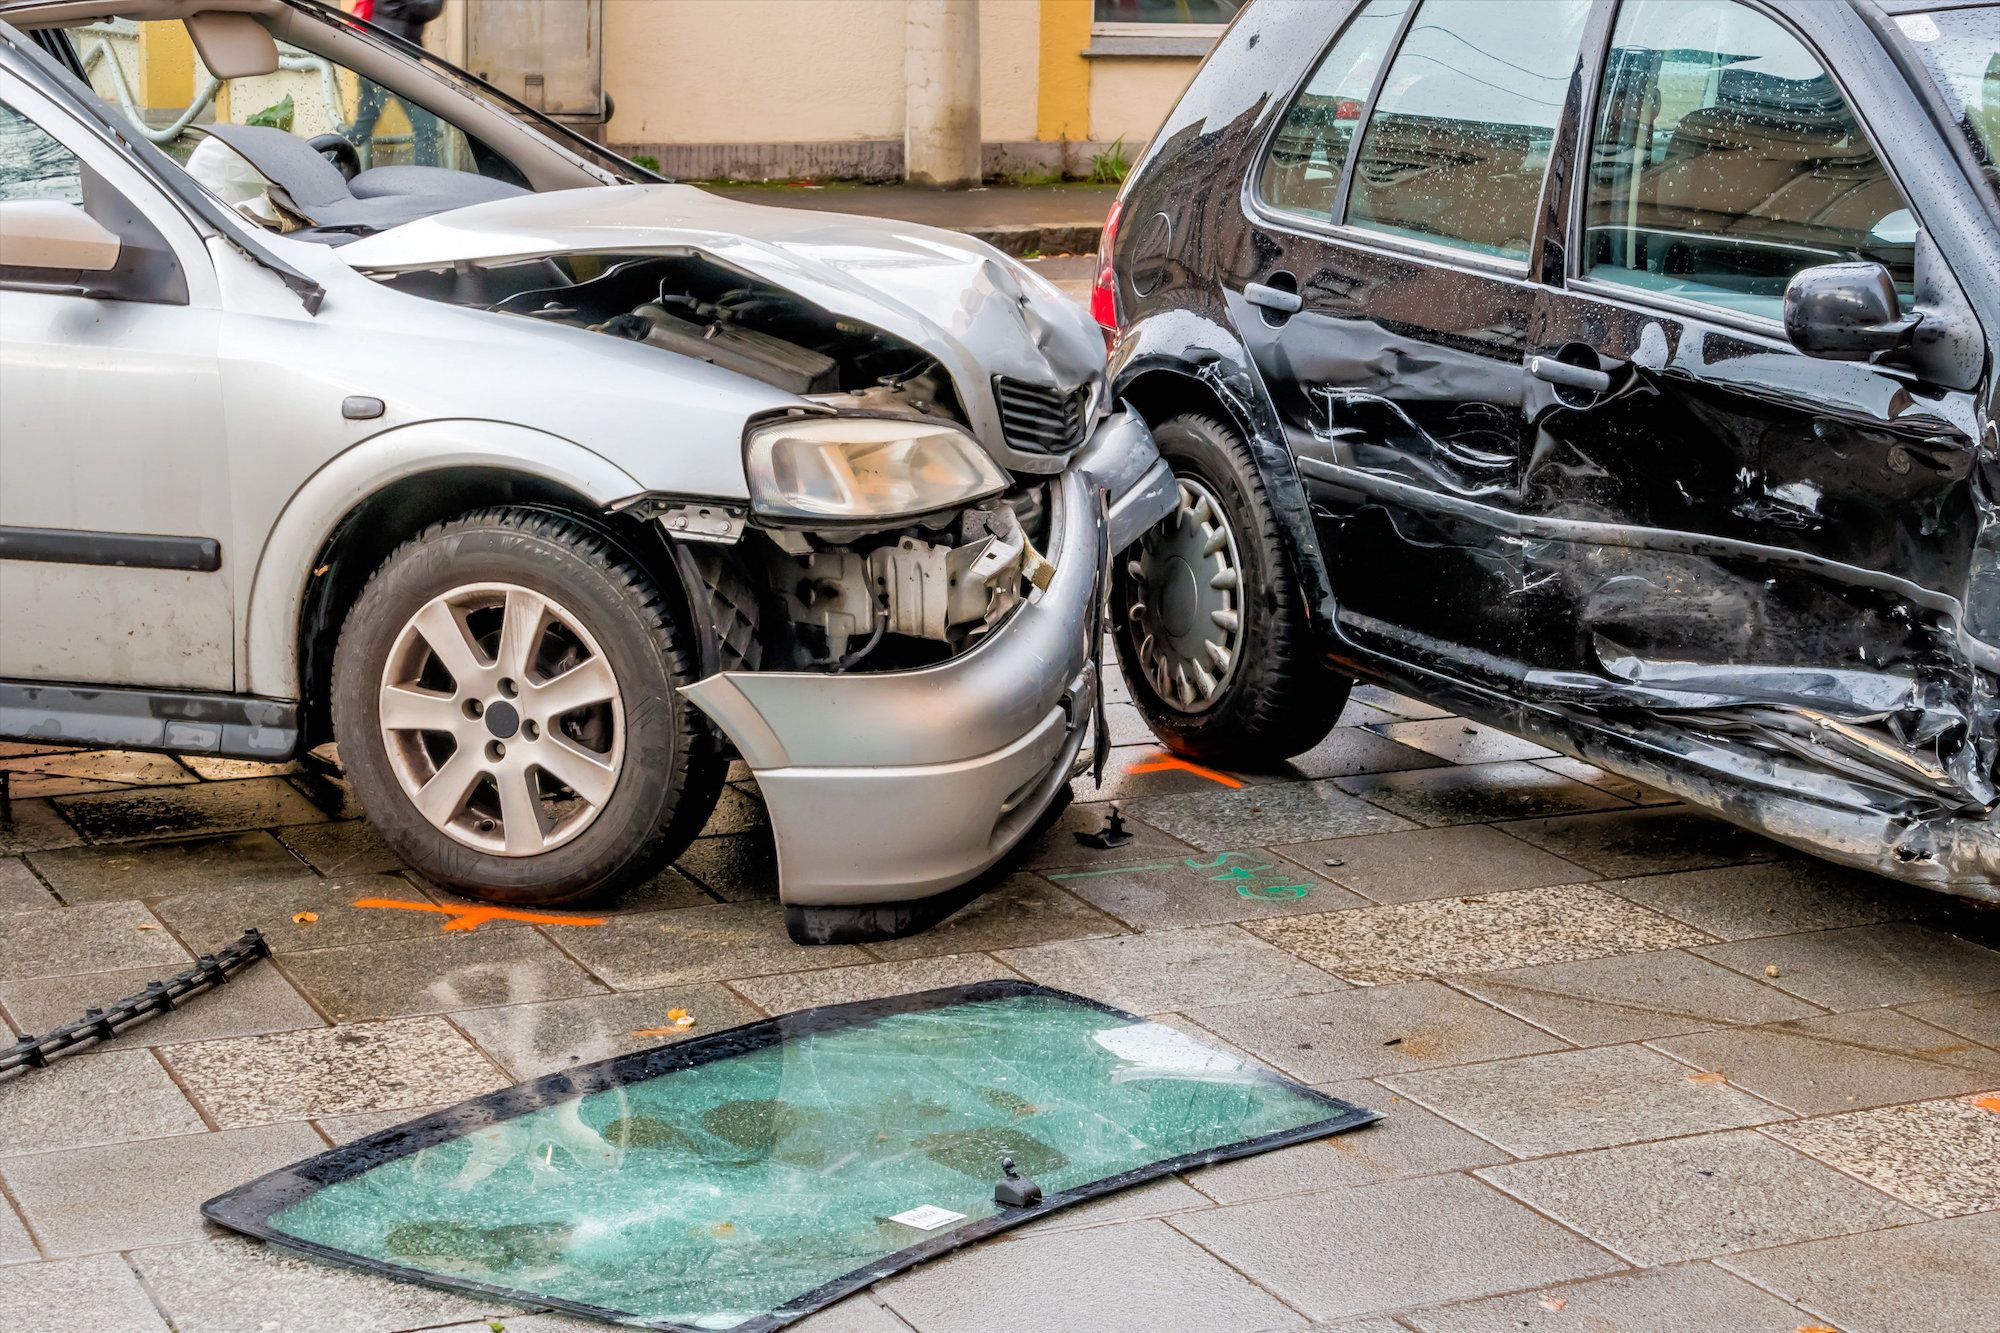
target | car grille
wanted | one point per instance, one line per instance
(1038, 419)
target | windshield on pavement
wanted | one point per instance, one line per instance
(1961, 50)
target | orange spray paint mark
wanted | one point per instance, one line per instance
(1167, 763)
(473, 917)
(1988, 1102)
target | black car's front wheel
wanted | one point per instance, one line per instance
(1212, 636)
(505, 698)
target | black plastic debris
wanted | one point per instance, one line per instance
(159, 997)
(1113, 834)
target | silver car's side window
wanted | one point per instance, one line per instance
(33, 165)
(1725, 160)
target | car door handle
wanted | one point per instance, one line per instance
(1273, 298)
(1567, 375)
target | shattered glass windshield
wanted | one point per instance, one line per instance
(742, 1180)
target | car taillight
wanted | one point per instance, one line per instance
(1104, 291)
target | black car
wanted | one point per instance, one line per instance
(1619, 374)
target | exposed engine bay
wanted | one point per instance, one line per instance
(838, 598)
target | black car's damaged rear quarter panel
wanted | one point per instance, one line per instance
(1765, 583)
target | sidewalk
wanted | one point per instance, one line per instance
(1026, 220)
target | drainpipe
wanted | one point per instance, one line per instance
(941, 93)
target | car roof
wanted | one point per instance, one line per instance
(1919, 6)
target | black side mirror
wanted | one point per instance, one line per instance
(1846, 312)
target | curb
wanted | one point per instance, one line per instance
(1020, 240)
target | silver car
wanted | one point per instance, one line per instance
(395, 415)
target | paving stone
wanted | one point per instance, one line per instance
(1940, 1156)
(214, 769)
(1020, 910)
(17, 749)
(1656, 1203)
(437, 974)
(1647, 841)
(1349, 751)
(233, 1285)
(1204, 889)
(860, 1313)
(258, 999)
(534, 1039)
(122, 1196)
(1633, 996)
(1663, 1300)
(1974, 1016)
(736, 867)
(1407, 1141)
(165, 869)
(1397, 705)
(1771, 898)
(1481, 933)
(207, 921)
(1842, 1062)
(202, 807)
(1458, 741)
(1592, 776)
(405, 1062)
(33, 825)
(98, 1293)
(666, 890)
(785, 993)
(1351, 1252)
(1568, 1100)
(1171, 969)
(1156, 1198)
(1866, 966)
(1057, 846)
(737, 810)
(347, 1128)
(1358, 714)
(1261, 816)
(79, 1100)
(1135, 771)
(97, 937)
(329, 792)
(340, 848)
(1940, 1277)
(1478, 795)
(16, 1245)
(1434, 863)
(1136, 1277)
(19, 889)
(72, 773)
(712, 943)
(1126, 725)
(1376, 1030)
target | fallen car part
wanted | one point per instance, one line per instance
(1113, 834)
(159, 997)
(744, 1179)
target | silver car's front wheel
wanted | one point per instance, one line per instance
(506, 695)
(502, 719)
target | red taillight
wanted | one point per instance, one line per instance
(1104, 291)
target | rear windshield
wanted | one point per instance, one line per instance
(1961, 49)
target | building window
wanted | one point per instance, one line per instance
(1164, 11)
(1158, 27)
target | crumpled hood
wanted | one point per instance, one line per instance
(980, 313)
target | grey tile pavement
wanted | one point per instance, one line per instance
(1445, 973)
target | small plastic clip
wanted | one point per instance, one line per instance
(1015, 1190)
(1113, 834)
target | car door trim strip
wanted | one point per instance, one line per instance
(127, 550)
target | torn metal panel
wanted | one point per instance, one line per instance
(745, 1179)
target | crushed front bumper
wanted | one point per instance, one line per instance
(891, 788)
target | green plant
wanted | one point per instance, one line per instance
(1109, 167)
(277, 116)
(647, 160)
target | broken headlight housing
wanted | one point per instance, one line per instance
(838, 470)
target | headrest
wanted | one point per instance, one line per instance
(232, 46)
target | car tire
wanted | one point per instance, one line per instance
(583, 768)
(1211, 632)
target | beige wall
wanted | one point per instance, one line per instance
(794, 71)
(1130, 96)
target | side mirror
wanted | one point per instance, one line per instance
(1846, 312)
(50, 234)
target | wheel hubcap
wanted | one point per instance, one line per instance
(502, 719)
(1185, 613)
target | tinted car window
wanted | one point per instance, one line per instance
(34, 166)
(1303, 167)
(1459, 140)
(1961, 50)
(1725, 160)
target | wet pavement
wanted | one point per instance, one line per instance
(1640, 1071)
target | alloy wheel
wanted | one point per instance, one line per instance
(502, 719)
(1186, 612)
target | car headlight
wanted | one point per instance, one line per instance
(854, 469)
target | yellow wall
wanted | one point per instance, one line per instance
(1063, 106)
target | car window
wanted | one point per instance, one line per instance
(33, 165)
(1725, 160)
(1458, 144)
(1960, 49)
(1302, 169)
